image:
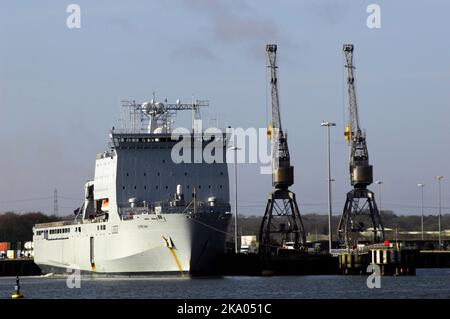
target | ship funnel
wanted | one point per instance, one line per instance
(212, 201)
(133, 201)
(179, 197)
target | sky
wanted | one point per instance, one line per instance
(60, 90)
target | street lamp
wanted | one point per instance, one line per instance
(236, 248)
(439, 178)
(330, 234)
(421, 190)
(379, 193)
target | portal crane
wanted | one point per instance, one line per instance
(282, 222)
(360, 208)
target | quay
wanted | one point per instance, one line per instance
(19, 267)
(291, 262)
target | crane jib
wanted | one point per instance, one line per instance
(282, 170)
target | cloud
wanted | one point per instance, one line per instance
(207, 5)
(231, 28)
(195, 50)
(125, 24)
(330, 12)
(236, 23)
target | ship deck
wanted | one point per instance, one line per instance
(58, 224)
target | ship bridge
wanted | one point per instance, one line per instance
(149, 163)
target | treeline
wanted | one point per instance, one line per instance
(18, 227)
(318, 223)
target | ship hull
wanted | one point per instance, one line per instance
(146, 244)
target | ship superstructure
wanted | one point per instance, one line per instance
(155, 204)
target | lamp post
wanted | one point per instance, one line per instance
(421, 205)
(330, 234)
(379, 193)
(439, 179)
(236, 240)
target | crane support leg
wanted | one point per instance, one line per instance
(281, 223)
(360, 210)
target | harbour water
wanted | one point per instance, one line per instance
(429, 283)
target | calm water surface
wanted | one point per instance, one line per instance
(429, 283)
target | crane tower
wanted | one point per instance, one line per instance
(360, 209)
(282, 222)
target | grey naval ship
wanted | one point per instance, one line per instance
(144, 212)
